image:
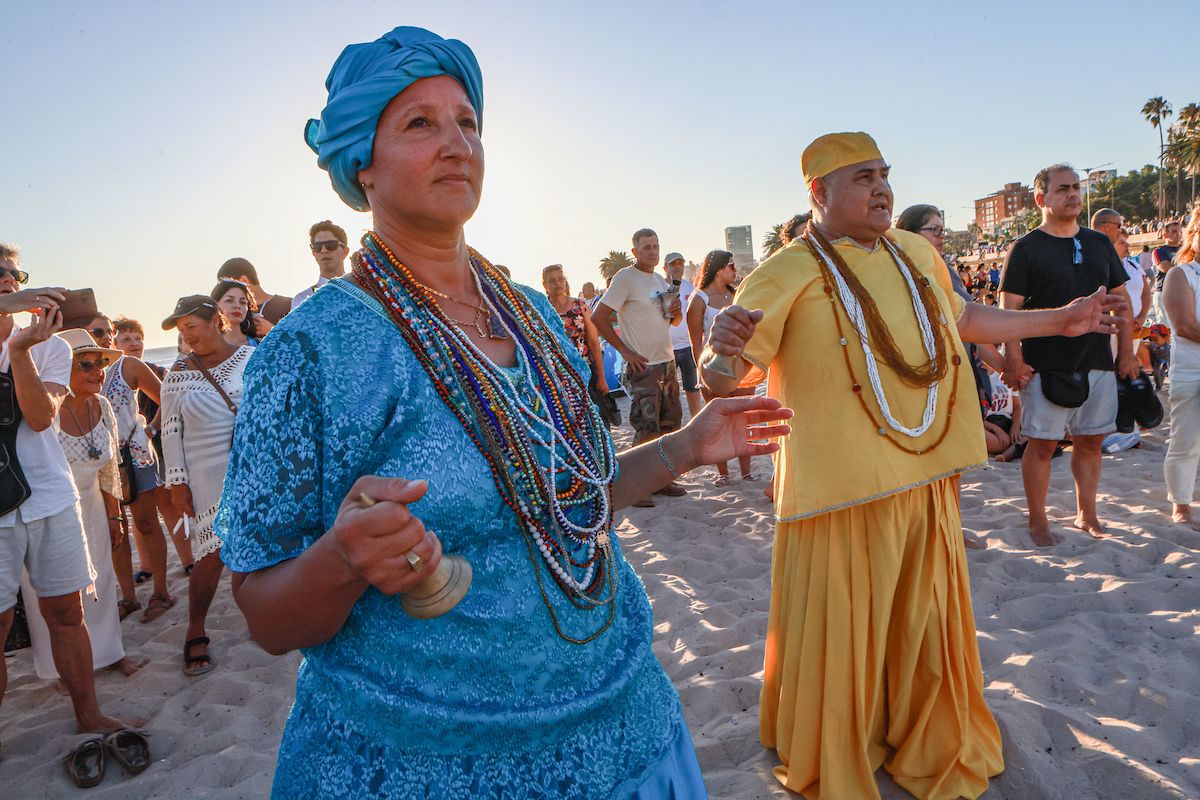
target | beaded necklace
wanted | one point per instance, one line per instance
(545, 409)
(828, 262)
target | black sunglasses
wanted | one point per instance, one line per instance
(88, 366)
(317, 247)
(98, 333)
(20, 276)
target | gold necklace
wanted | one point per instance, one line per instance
(482, 322)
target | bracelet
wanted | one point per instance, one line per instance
(663, 454)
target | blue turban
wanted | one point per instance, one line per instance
(363, 81)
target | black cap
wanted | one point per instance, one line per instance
(188, 305)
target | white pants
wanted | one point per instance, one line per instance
(1183, 450)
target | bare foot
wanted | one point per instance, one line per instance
(1092, 527)
(1039, 531)
(1182, 515)
(972, 544)
(60, 687)
(103, 724)
(769, 490)
(127, 666)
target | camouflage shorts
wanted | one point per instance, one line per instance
(655, 395)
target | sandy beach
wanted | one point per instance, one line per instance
(1090, 650)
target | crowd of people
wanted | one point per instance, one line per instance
(106, 454)
(488, 420)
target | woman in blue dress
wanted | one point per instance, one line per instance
(452, 400)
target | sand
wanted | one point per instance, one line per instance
(1090, 651)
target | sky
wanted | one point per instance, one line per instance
(145, 143)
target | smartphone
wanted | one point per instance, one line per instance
(78, 307)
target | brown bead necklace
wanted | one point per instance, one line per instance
(942, 330)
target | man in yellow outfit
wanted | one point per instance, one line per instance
(871, 655)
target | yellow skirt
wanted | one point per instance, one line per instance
(871, 653)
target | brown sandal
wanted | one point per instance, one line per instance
(127, 607)
(85, 764)
(130, 749)
(159, 604)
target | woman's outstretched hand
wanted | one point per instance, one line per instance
(375, 537)
(729, 427)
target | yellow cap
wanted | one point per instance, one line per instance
(836, 150)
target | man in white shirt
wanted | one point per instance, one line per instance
(646, 307)
(681, 343)
(330, 249)
(40, 525)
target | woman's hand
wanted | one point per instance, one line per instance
(181, 498)
(116, 532)
(44, 325)
(375, 541)
(729, 427)
(262, 326)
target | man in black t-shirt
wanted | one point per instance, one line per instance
(1049, 267)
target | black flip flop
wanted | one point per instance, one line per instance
(130, 749)
(85, 764)
(141, 576)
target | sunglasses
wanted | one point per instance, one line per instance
(20, 276)
(936, 230)
(1078, 258)
(329, 247)
(100, 333)
(88, 366)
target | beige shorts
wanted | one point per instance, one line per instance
(55, 552)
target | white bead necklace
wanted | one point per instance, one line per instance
(858, 321)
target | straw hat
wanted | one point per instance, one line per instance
(82, 342)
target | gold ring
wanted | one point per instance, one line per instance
(414, 560)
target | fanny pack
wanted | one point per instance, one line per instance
(1066, 389)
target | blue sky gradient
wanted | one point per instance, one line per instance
(146, 143)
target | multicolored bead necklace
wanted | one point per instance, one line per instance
(545, 410)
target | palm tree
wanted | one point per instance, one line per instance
(614, 262)
(1156, 110)
(1184, 152)
(1189, 119)
(773, 240)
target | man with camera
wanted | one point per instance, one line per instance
(646, 306)
(40, 525)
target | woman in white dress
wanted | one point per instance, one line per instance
(200, 396)
(1181, 299)
(88, 434)
(715, 291)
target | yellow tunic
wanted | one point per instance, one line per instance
(871, 655)
(835, 457)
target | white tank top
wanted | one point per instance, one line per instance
(1185, 354)
(710, 314)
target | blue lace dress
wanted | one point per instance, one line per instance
(486, 701)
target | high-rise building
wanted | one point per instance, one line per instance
(740, 241)
(1000, 207)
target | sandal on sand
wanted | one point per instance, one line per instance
(85, 764)
(188, 569)
(722, 480)
(159, 604)
(127, 607)
(196, 665)
(141, 576)
(749, 476)
(130, 749)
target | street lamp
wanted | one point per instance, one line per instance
(1087, 171)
